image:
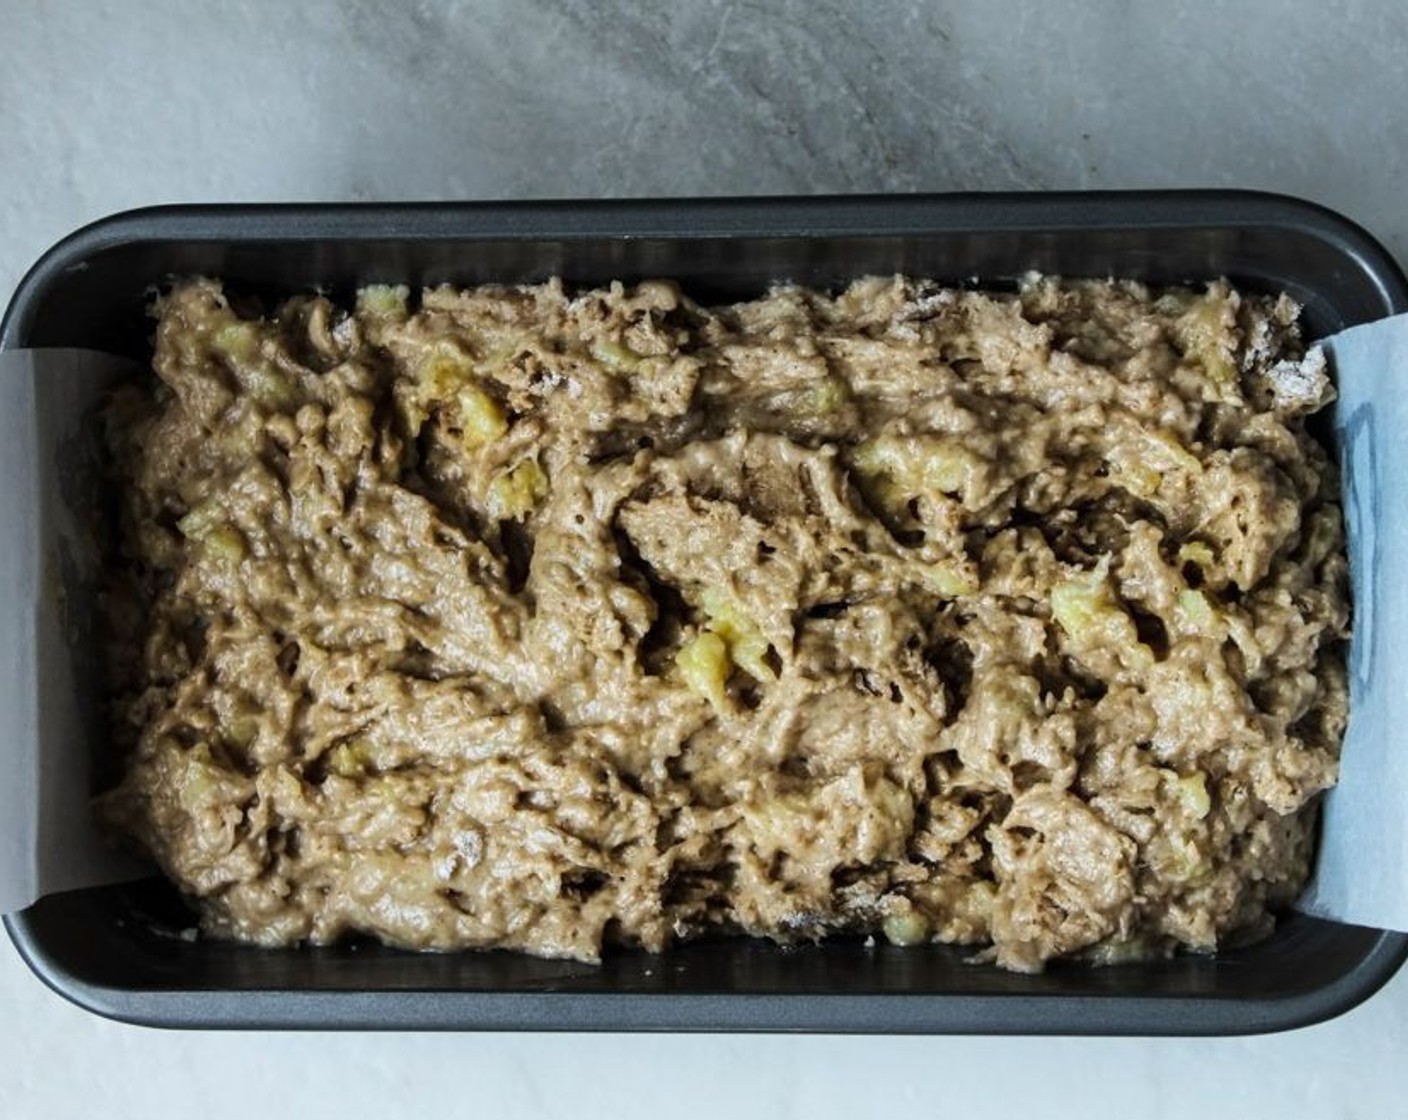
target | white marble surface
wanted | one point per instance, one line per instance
(106, 105)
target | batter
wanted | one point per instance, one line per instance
(546, 620)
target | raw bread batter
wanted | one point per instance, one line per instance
(517, 617)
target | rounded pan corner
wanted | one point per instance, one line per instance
(76, 249)
(103, 1002)
(1341, 996)
(1346, 235)
(1301, 213)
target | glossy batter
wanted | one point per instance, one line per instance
(520, 617)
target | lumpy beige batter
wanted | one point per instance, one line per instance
(518, 617)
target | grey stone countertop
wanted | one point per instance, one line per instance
(107, 105)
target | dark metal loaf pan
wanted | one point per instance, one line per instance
(115, 949)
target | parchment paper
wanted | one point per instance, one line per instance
(1361, 875)
(51, 710)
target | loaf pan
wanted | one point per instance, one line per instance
(119, 951)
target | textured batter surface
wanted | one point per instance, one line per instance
(537, 620)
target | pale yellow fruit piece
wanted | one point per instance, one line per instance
(350, 759)
(383, 301)
(826, 395)
(482, 418)
(746, 644)
(515, 494)
(615, 356)
(200, 782)
(1088, 611)
(1193, 793)
(950, 579)
(242, 731)
(1196, 552)
(444, 373)
(225, 543)
(704, 665)
(918, 464)
(271, 387)
(236, 341)
(201, 519)
(1138, 478)
(1196, 611)
(909, 928)
(1166, 452)
(1205, 334)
